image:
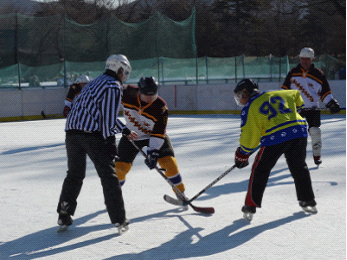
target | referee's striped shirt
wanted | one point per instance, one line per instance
(97, 107)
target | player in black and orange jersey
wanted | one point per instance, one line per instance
(74, 90)
(314, 87)
(147, 114)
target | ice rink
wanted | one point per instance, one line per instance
(33, 167)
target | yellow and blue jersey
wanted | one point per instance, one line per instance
(271, 117)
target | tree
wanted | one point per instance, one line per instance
(329, 7)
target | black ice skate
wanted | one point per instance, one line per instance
(122, 228)
(309, 206)
(64, 221)
(317, 160)
(248, 212)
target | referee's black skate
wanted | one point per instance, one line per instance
(122, 228)
(248, 212)
(309, 206)
(64, 221)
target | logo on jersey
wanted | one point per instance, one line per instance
(137, 124)
(303, 90)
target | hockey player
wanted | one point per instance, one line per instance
(73, 91)
(313, 87)
(146, 114)
(271, 120)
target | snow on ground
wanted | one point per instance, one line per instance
(33, 166)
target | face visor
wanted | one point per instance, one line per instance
(148, 98)
(237, 97)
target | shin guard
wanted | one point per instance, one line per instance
(122, 168)
(170, 164)
(316, 139)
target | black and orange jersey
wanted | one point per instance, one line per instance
(148, 120)
(311, 83)
(73, 91)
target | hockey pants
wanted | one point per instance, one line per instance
(295, 153)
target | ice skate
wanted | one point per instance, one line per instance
(64, 221)
(309, 206)
(248, 212)
(317, 160)
(122, 228)
(183, 199)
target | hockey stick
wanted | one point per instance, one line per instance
(206, 210)
(49, 117)
(216, 180)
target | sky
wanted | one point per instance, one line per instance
(33, 167)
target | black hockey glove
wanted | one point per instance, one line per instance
(152, 158)
(111, 146)
(66, 111)
(126, 131)
(241, 160)
(333, 106)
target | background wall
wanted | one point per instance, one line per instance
(28, 103)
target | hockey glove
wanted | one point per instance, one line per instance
(333, 106)
(152, 158)
(66, 111)
(241, 160)
(126, 131)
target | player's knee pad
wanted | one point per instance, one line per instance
(122, 168)
(170, 164)
(315, 130)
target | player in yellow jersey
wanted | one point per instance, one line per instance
(270, 119)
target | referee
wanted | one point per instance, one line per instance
(90, 129)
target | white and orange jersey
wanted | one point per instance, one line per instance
(148, 120)
(311, 83)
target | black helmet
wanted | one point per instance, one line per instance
(247, 84)
(148, 86)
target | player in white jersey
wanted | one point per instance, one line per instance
(313, 86)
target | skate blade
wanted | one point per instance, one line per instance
(62, 228)
(122, 230)
(248, 216)
(309, 209)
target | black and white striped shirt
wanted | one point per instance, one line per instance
(97, 107)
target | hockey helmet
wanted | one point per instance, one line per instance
(83, 79)
(119, 64)
(148, 86)
(250, 86)
(307, 53)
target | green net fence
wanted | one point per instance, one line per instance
(58, 52)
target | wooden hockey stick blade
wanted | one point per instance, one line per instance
(173, 201)
(205, 210)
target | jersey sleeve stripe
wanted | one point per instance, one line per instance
(325, 94)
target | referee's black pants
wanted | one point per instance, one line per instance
(295, 153)
(78, 145)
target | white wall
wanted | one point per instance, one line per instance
(221, 96)
(31, 101)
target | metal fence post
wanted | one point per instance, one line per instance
(206, 64)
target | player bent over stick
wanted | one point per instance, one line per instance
(271, 118)
(146, 114)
